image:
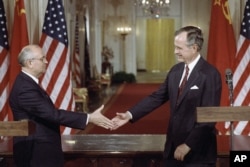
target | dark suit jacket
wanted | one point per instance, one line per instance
(29, 101)
(183, 128)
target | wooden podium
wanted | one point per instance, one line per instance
(227, 114)
(16, 128)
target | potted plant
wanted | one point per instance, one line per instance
(107, 54)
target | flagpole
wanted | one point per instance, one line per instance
(229, 81)
(231, 123)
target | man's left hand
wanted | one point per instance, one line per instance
(181, 151)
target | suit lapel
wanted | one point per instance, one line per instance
(31, 81)
(191, 80)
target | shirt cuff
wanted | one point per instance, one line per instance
(130, 115)
(87, 121)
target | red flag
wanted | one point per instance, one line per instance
(54, 41)
(19, 39)
(4, 65)
(221, 47)
(76, 56)
(241, 77)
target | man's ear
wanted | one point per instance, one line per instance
(195, 47)
(28, 63)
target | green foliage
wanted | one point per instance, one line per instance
(121, 77)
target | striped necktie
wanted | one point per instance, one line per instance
(184, 81)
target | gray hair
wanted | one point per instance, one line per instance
(194, 35)
(26, 53)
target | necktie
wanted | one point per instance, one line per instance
(184, 81)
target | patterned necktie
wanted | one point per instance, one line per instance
(184, 81)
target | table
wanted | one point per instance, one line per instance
(90, 150)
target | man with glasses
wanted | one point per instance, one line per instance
(29, 101)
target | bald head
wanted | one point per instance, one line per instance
(27, 53)
(33, 60)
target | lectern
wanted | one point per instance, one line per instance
(227, 114)
(16, 128)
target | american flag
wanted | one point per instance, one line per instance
(76, 56)
(54, 41)
(241, 77)
(4, 65)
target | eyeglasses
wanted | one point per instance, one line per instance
(41, 59)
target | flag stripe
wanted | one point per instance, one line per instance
(4, 103)
(241, 77)
(68, 101)
(63, 80)
(243, 47)
(246, 129)
(239, 127)
(242, 84)
(4, 62)
(4, 66)
(54, 80)
(56, 65)
(76, 56)
(77, 70)
(54, 41)
(47, 45)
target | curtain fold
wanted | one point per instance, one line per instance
(160, 44)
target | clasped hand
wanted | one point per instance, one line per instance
(99, 119)
(120, 119)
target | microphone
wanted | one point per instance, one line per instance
(229, 81)
(229, 78)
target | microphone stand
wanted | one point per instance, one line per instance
(231, 99)
(229, 81)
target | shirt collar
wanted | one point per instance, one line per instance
(193, 63)
(31, 76)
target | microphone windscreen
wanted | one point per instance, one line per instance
(228, 71)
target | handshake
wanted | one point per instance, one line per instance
(99, 119)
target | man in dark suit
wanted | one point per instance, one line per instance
(189, 84)
(29, 101)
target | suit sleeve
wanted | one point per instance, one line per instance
(149, 103)
(38, 104)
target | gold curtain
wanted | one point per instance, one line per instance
(160, 45)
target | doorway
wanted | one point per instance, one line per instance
(155, 47)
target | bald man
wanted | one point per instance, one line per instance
(29, 101)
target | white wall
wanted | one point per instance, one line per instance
(185, 12)
(106, 15)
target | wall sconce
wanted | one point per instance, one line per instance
(123, 31)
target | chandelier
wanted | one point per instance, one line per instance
(155, 8)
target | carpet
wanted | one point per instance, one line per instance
(126, 96)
